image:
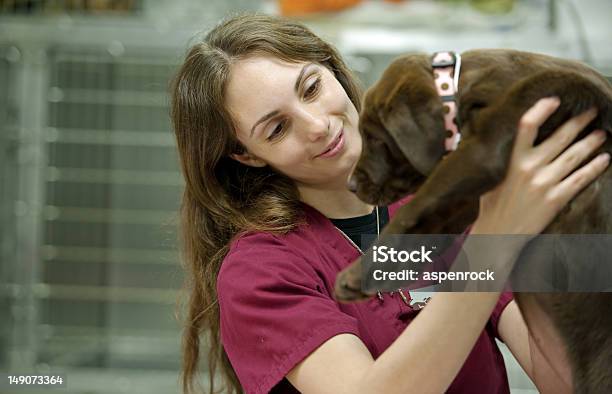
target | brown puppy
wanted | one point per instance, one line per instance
(403, 132)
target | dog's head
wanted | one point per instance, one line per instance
(402, 127)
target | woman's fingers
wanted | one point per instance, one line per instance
(563, 137)
(569, 160)
(537, 180)
(563, 192)
(532, 120)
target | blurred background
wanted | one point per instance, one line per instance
(89, 176)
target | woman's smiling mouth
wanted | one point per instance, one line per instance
(335, 147)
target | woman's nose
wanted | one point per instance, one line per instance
(315, 125)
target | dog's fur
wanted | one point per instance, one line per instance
(403, 132)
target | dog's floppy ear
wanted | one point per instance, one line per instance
(409, 108)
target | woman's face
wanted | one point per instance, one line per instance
(288, 115)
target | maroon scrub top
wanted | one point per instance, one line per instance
(276, 303)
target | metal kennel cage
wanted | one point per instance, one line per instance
(90, 190)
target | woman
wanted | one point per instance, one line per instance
(257, 105)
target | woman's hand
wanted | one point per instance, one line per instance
(537, 185)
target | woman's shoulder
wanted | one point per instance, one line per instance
(246, 241)
(258, 242)
(301, 240)
(264, 255)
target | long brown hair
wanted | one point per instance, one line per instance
(222, 197)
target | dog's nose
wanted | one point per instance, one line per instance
(352, 184)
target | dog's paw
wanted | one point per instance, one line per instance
(406, 221)
(348, 284)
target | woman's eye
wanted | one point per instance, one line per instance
(313, 88)
(277, 131)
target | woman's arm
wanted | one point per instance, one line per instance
(427, 356)
(513, 331)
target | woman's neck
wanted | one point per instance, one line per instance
(335, 204)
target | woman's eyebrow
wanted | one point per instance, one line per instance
(295, 89)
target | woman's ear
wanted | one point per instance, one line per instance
(248, 159)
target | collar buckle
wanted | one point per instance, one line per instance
(443, 59)
(446, 66)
